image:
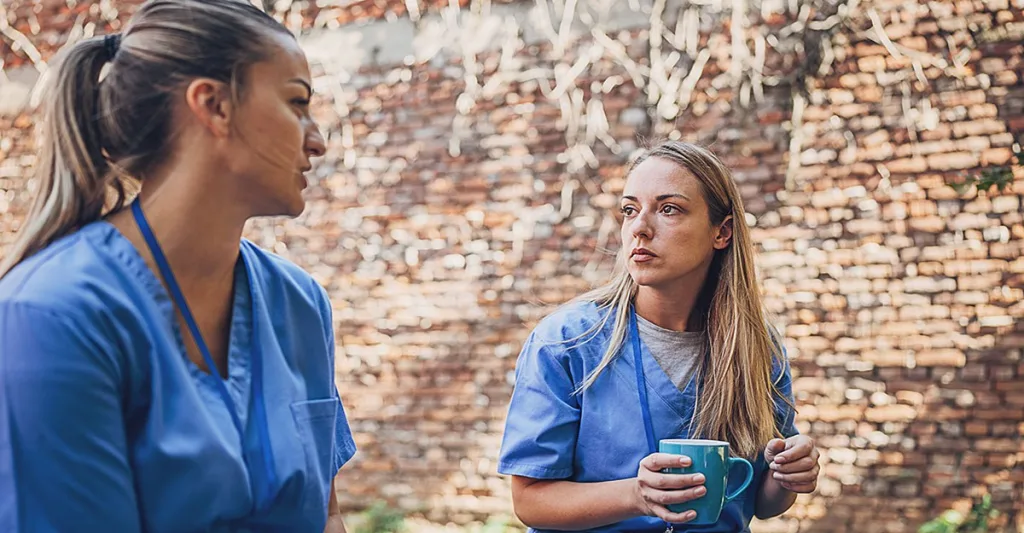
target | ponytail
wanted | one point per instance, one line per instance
(72, 172)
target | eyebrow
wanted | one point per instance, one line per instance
(660, 198)
(304, 83)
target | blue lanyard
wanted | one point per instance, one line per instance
(641, 387)
(264, 495)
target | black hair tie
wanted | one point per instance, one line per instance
(111, 43)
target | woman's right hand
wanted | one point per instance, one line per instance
(654, 491)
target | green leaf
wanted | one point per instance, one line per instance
(380, 518)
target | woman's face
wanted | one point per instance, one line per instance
(667, 235)
(277, 137)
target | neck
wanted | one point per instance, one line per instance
(197, 230)
(671, 307)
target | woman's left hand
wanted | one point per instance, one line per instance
(794, 463)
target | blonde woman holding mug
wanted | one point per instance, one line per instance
(682, 316)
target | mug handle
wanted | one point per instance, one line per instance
(733, 461)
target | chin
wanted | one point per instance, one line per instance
(645, 278)
(295, 208)
(283, 207)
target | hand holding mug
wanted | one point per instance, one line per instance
(794, 463)
(655, 491)
(721, 474)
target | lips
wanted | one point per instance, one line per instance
(642, 255)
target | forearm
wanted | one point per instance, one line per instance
(335, 523)
(772, 498)
(571, 506)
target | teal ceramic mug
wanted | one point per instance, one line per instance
(711, 458)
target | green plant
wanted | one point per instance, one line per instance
(999, 177)
(378, 518)
(495, 525)
(975, 521)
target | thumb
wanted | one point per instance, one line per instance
(775, 446)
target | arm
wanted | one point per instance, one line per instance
(792, 461)
(335, 524)
(345, 448)
(569, 506)
(63, 450)
(773, 499)
(572, 506)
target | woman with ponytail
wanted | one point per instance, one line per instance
(682, 315)
(158, 372)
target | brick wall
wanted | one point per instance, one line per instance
(452, 210)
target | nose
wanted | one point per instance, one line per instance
(640, 226)
(315, 145)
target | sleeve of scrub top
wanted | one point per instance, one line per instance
(785, 413)
(63, 450)
(543, 415)
(344, 445)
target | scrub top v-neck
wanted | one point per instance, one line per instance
(105, 425)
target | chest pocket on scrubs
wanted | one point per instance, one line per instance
(315, 420)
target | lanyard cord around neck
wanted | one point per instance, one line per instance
(641, 387)
(263, 497)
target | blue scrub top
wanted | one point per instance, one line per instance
(599, 435)
(106, 426)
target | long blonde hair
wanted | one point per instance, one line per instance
(735, 403)
(98, 136)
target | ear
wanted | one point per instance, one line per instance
(210, 103)
(724, 235)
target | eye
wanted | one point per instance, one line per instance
(302, 102)
(628, 210)
(671, 210)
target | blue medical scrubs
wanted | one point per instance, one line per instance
(599, 435)
(105, 425)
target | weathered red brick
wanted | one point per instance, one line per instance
(975, 429)
(953, 161)
(890, 413)
(865, 237)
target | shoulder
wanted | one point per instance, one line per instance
(286, 286)
(77, 276)
(281, 275)
(573, 337)
(574, 321)
(71, 301)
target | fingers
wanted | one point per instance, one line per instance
(809, 476)
(659, 500)
(657, 462)
(800, 488)
(798, 446)
(800, 465)
(660, 490)
(672, 518)
(669, 497)
(671, 481)
(796, 468)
